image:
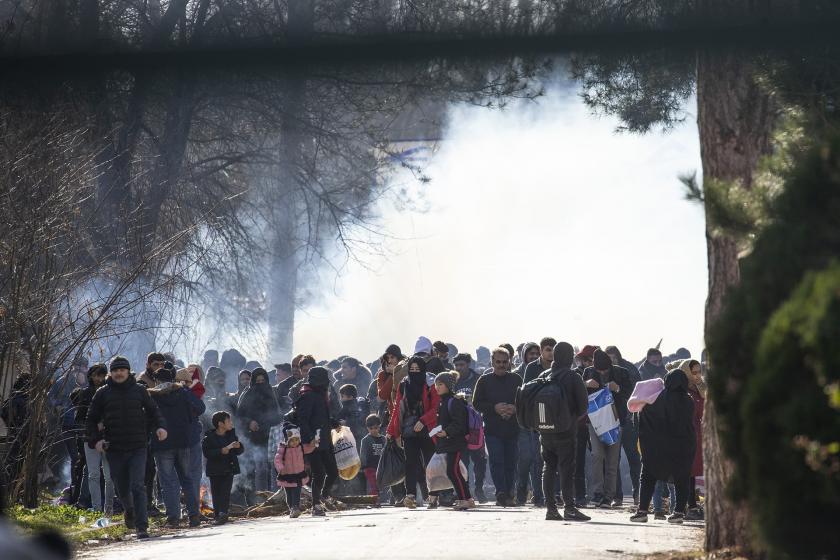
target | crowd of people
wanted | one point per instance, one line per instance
(182, 436)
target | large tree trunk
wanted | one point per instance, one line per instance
(735, 119)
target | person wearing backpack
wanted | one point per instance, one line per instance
(452, 440)
(494, 396)
(559, 448)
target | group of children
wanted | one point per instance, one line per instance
(221, 447)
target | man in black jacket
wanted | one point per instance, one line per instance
(536, 367)
(127, 414)
(494, 396)
(530, 465)
(629, 430)
(559, 450)
(604, 375)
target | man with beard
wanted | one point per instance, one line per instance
(653, 367)
(154, 361)
(529, 466)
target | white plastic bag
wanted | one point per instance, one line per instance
(436, 478)
(346, 456)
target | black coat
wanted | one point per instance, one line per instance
(181, 409)
(219, 464)
(491, 390)
(313, 414)
(621, 378)
(452, 417)
(128, 413)
(666, 431)
(257, 403)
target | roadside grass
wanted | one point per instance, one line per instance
(68, 521)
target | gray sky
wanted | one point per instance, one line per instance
(541, 221)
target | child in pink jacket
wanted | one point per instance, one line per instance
(291, 468)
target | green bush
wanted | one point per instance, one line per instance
(767, 388)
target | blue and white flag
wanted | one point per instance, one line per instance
(603, 418)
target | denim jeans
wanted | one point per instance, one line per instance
(529, 466)
(173, 467)
(95, 459)
(196, 468)
(659, 490)
(128, 470)
(629, 443)
(503, 454)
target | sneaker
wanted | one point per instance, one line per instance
(471, 503)
(142, 534)
(694, 514)
(539, 503)
(639, 517)
(172, 523)
(617, 503)
(582, 504)
(318, 511)
(677, 518)
(479, 496)
(294, 513)
(511, 502)
(410, 502)
(501, 499)
(129, 519)
(603, 503)
(551, 514)
(195, 521)
(461, 505)
(220, 520)
(659, 516)
(572, 514)
(335, 505)
(153, 511)
(434, 502)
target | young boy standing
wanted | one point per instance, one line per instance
(371, 451)
(221, 447)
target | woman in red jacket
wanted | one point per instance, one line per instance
(413, 415)
(697, 391)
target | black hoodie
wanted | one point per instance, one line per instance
(257, 403)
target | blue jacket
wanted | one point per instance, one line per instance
(181, 409)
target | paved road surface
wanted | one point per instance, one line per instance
(485, 533)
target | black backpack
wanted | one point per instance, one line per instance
(541, 405)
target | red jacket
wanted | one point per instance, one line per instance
(430, 400)
(699, 401)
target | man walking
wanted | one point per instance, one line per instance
(559, 450)
(494, 396)
(604, 375)
(127, 414)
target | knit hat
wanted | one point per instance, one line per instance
(563, 352)
(423, 345)
(602, 360)
(448, 378)
(119, 362)
(290, 432)
(587, 352)
(319, 376)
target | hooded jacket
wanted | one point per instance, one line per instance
(361, 381)
(83, 396)
(181, 409)
(127, 412)
(466, 385)
(574, 390)
(258, 404)
(313, 414)
(632, 370)
(625, 388)
(523, 365)
(452, 417)
(666, 431)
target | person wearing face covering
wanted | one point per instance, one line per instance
(312, 409)
(668, 443)
(413, 416)
(257, 411)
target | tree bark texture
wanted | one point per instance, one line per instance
(735, 120)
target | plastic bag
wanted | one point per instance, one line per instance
(346, 457)
(391, 468)
(603, 418)
(436, 478)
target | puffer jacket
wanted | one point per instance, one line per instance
(181, 408)
(128, 414)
